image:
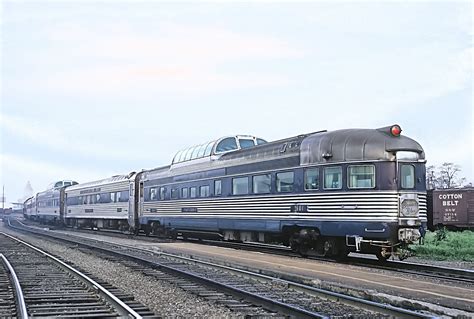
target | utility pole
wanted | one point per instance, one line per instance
(3, 199)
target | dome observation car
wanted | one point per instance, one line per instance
(217, 147)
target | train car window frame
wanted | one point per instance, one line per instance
(202, 149)
(153, 194)
(105, 198)
(402, 179)
(325, 175)
(208, 150)
(265, 179)
(240, 185)
(124, 196)
(184, 192)
(350, 175)
(246, 143)
(195, 152)
(218, 189)
(187, 157)
(226, 145)
(174, 193)
(316, 180)
(204, 191)
(193, 192)
(162, 193)
(279, 179)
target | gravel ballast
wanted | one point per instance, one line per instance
(164, 298)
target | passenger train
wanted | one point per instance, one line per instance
(327, 192)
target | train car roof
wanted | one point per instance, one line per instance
(105, 181)
(313, 148)
(49, 192)
(358, 145)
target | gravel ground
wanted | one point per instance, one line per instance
(163, 298)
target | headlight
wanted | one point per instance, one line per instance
(408, 205)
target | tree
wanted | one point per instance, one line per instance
(449, 177)
(431, 179)
(444, 176)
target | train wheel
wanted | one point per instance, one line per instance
(147, 230)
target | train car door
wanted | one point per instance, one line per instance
(141, 193)
(131, 203)
(62, 206)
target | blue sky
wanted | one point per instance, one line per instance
(93, 89)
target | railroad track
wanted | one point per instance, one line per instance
(253, 293)
(52, 288)
(437, 272)
(12, 303)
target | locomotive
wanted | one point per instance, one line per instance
(327, 193)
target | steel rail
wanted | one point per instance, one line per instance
(20, 299)
(437, 272)
(296, 311)
(122, 308)
(348, 300)
(291, 310)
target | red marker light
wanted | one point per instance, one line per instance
(395, 130)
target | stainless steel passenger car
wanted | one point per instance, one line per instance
(332, 192)
(101, 204)
(48, 205)
(30, 208)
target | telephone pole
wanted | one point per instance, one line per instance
(3, 199)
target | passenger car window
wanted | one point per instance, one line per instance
(284, 182)
(162, 193)
(195, 152)
(218, 188)
(240, 186)
(333, 177)
(361, 176)
(246, 143)
(204, 191)
(227, 144)
(153, 194)
(174, 193)
(184, 192)
(208, 150)
(311, 178)
(262, 184)
(192, 192)
(123, 196)
(407, 176)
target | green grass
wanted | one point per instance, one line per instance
(447, 245)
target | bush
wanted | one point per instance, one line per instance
(447, 245)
